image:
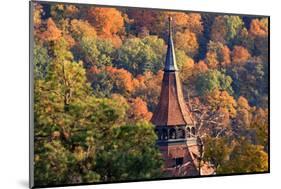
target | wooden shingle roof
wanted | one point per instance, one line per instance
(171, 109)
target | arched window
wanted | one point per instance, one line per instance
(158, 134)
(164, 134)
(181, 133)
(193, 131)
(172, 134)
(188, 132)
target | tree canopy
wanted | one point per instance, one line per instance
(97, 81)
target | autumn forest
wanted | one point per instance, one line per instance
(97, 80)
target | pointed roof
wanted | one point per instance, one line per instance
(170, 63)
(171, 109)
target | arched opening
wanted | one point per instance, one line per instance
(193, 131)
(172, 134)
(164, 134)
(188, 132)
(181, 133)
(158, 134)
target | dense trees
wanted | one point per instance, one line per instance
(74, 129)
(240, 55)
(123, 160)
(187, 42)
(211, 80)
(98, 74)
(140, 55)
(108, 23)
(218, 55)
(226, 28)
(77, 135)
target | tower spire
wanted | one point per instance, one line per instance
(170, 62)
(171, 109)
(173, 120)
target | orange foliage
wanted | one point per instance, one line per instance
(91, 73)
(259, 32)
(144, 19)
(259, 27)
(149, 80)
(153, 21)
(194, 23)
(191, 21)
(240, 55)
(122, 78)
(200, 67)
(261, 116)
(148, 88)
(70, 41)
(218, 55)
(242, 102)
(225, 53)
(211, 60)
(94, 70)
(187, 42)
(179, 19)
(71, 10)
(115, 39)
(138, 109)
(52, 33)
(108, 21)
(243, 112)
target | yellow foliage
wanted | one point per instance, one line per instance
(211, 60)
(187, 42)
(187, 68)
(81, 28)
(223, 101)
(79, 153)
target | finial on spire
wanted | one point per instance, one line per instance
(170, 25)
(170, 63)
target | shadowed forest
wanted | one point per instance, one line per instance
(97, 80)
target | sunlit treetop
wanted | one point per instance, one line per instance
(259, 27)
(52, 33)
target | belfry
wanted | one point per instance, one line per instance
(174, 126)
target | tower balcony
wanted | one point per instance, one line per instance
(178, 134)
